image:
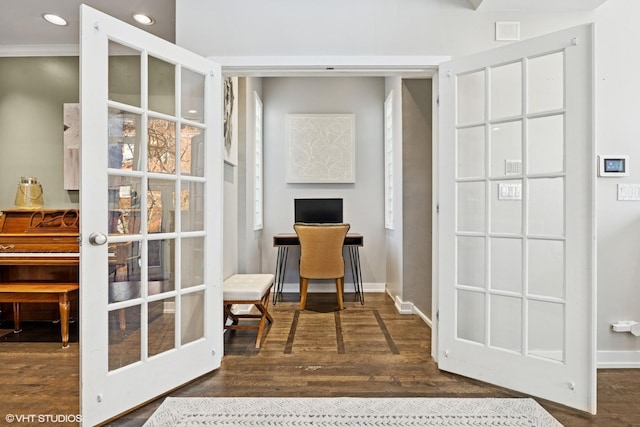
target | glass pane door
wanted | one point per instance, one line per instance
(517, 126)
(151, 168)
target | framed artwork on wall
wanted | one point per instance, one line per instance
(321, 148)
(71, 146)
(231, 121)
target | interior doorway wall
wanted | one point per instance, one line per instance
(417, 194)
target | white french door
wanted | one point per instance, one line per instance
(516, 221)
(151, 197)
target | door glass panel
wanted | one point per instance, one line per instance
(192, 96)
(161, 152)
(506, 323)
(471, 314)
(124, 204)
(126, 290)
(506, 206)
(506, 265)
(471, 206)
(471, 97)
(191, 151)
(124, 74)
(546, 330)
(124, 140)
(192, 319)
(546, 268)
(161, 206)
(506, 149)
(124, 337)
(192, 262)
(192, 206)
(161, 264)
(546, 144)
(546, 206)
(162, 327)
(546, 82)
(471, 261)
(123, 262)
(162, 86)
(506, 91)
(471, 152)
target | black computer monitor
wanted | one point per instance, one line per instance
(318, 210)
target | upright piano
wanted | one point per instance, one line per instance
(39, 260)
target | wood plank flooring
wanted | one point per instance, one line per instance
(365, 350)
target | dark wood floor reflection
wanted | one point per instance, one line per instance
(364, 350)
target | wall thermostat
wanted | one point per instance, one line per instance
(613, 165)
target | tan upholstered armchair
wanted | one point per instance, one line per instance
(321, 256)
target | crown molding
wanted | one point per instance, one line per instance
(40, 50)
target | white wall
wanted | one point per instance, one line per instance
(618, 110)
(363, 200)
(249, 240)
(451, 27)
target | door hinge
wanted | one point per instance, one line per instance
(438, 208)
(438, 315)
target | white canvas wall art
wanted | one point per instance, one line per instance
(321, 148)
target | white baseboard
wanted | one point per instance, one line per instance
(409, 308)
(618, 359)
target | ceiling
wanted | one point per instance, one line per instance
(535, 5)
(21, 21)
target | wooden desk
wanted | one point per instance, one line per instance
(283, 241)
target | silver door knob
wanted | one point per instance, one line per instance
(97, 239)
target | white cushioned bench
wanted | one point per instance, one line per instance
(253, 289)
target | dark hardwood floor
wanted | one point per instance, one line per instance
(365, 350)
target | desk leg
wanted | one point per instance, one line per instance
(354, 255)
(64, 304)
(281, 268)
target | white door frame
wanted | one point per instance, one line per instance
(360, 66)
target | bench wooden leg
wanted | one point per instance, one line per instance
(64, 305)
(265, 316)
(16, 318)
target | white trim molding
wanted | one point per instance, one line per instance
(404, 307)
(40, 50)
(618, 359)
(282, 66)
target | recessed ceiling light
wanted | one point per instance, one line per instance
(192, 111)
(54, 19)
(143, 19)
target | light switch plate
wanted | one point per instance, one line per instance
(629, 192)
(509, 191)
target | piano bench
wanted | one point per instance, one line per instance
(29, 292)
(251, 289)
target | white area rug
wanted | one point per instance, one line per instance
(349, 411)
